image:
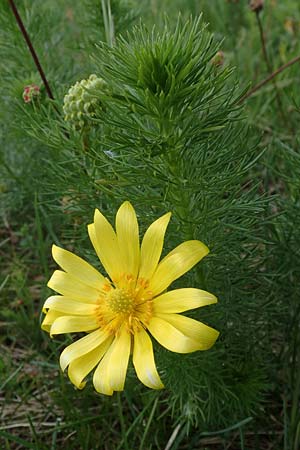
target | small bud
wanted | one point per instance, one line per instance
(31, 92)
(290, 26)
(256, 5)
(218, 59)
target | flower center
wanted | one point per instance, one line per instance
(129, 303)
(120, 301)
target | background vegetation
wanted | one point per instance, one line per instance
(174, 130)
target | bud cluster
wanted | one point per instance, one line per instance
(82, 99)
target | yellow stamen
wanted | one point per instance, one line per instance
(128, 303)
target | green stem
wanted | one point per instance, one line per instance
(180, 198)
(108, 22)
(148, 424)
(122, 422)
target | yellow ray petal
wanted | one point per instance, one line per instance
(105, 242)
(181, 336)
(152, 245)
(205, 335)
(127, 230)
(50, 317)
(81, 347)
(65, 284)
(181, 300)
(111, 372)
(143, 361)
(176, 263)
(81, 367)
(68, 306)
(73, 324)
(92, 235)
(77, 267)
(171, 338)
(100, 377)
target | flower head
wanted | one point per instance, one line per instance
(119, 312)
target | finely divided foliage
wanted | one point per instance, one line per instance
(166, 131)
(166, 138)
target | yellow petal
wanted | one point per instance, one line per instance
(77, 267)
(67, 285)
(127, 230)
(181, 334)
(111, 372)
(181, 300)
(67, 306)
(176, 263)
(92, 234)
(203, 334)
(152, 245)
(143, 361)
(105, 242)
(81, 367)
(73, 324)
(171, 338)
(81, 347)
(50, 317)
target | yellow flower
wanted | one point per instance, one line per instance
(119, 313)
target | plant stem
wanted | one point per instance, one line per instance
(108, 22)
(31, 48)
(269, 66)
(269, 78)
(180, 199)
(122, 422)
(263, 42)
(142, 444)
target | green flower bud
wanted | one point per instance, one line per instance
(82, 100)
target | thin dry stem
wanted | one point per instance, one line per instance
(31, 48)
(269, 66)
(269, 78)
